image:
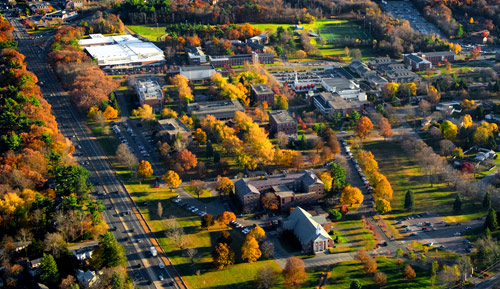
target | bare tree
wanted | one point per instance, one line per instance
(126, 157)
(54, 243)
(197, 186)
(425, 107)
(192, 253)
(282, 139)
(267, 249)
(446, 147)
(159, 210)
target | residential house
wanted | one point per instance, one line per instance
(172, 128)
(197, 73)
(261, 93)
(86, 279)
(307, 229)
(417, 61)
(60, 15)
(290, 190)
(149, 92)
(282, 121)
(222, 109)
(84, 253)
(34, 267)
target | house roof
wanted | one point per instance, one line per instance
(304, 226)
(242, 188)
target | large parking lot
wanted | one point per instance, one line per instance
(406, 10)
(431, 229)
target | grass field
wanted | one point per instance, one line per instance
(205, 196)
(149, 31)
(404, 174)
(359, 236)
(343, 274)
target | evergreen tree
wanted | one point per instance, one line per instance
(355, 284)
(109, 253)
(117, 281)
(49, 274)
(487, 201)
(487, 232)
(457, 205)
(210, 149)
(409, 201)
(216, 157)
(491, 220)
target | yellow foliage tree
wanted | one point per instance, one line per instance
(92, 112)
(327, 180)
(168, 113)
(367, 161)
(188, 121)
(225, 218)
(172, 179)
(110, 112)
(481, 135)
(383, 206)
(250, 250)
(145, 170)
(200, 136)
(258, 233)
(471, 20)
(144, 112)
(383, 190)
(351, 195)
(181, 84)
(10, 202)
(448, 129)
(467, 121)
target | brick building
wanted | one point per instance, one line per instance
(221, 109)
(417, 61)
(282, 120)
(290, 190)
(149, 92)
(240, 59)
(261, 93)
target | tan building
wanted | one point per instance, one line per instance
(172, 128)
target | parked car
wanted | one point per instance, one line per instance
(457, 234)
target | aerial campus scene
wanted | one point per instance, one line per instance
(253, 144)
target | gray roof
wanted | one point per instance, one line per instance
(439, 53)
(261, 89)
(281, 116)
(304, 226)
(242, 188)
(416, 58)
(173, 125)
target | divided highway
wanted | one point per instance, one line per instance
(119, 214)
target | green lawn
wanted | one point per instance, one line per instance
(205, 196)
(357, 234)
(343, 274)
(149, 31)
(404, 173)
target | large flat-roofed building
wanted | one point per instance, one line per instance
(240, 59)
(345, 88)
(221, 109)
(122, 51)
(282, 121)
(172, 128)
(149, 92)
(290, 190)
(261, 93)
(329, 103)
(197, 73)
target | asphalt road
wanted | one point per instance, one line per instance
(126, 228)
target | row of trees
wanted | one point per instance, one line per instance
(32, 151)
(88, 84)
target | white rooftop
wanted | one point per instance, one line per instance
(99, 39)
(125, 52)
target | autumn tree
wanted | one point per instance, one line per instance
(269, 201)
(222, 256)
(126, 157)
(380, 278)
(207, 220)
(266, 277)
(409, 273)
(370, 265)
(383, 189)
(327, 180)
(282, 139)
(181, 84)
(144, 169)
(200, 136)
(110, 112)
(363, 126)
(433, 94)
(384, 127)
(383, 206)
(351, 195)
(294, 273)
(250, 249)
(225, 218)
(224, 185)
(187, 159)
(448, 129)
(258, 233)
(172, 179)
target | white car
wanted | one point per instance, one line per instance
(246, 231)
(457, 234)
(194, 210)
(160, 277)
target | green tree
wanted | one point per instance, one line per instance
(71, 179)
(487, 201)
(49, 274)
(109, 253)
(355, 284)
(335, 214)
(338, 175)
(117, 281)
(209, 149)
(399, 252)
(433, 272)
(409, 201)
(491, 220)
(216, 157)
(281, 102)
(457, 205)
